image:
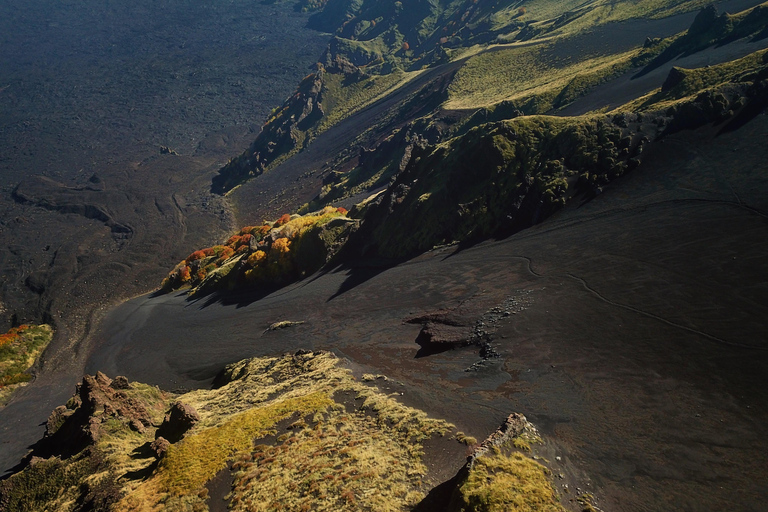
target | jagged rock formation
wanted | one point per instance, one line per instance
(81, 422)
(300, 415)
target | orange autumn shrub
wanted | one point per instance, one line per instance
(248, 230)
(285, 219)
(280, 247)
(197, 255)
(225, 253)
(280, 263)
(237, 241)
(256, 258)
(12, 334)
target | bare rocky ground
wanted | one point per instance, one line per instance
(114, 118)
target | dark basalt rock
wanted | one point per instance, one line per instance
(675, 77)
(97, 399)
(177, 422)
(120, 382)
(159, 447)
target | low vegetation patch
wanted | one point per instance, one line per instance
(276, 252)
(355, 453)
(503, 480)
(19, 348)
(298, 432)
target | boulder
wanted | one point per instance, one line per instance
(159, 447)
(120, 382)
(56, 420)
(177, 422)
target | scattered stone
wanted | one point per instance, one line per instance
(282, 325)
(514, 426)
(137, 426)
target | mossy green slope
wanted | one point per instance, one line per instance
(378, 47)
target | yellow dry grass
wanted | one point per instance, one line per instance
(344, 459)
(499, 482)
(519, 73)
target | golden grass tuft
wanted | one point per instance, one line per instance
(189, 464)
(500, 481)
(328, 458)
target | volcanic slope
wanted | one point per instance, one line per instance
(630, 330)
(628, 326)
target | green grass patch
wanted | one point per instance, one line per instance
(529, 78)
(342, 99)
(195, 460)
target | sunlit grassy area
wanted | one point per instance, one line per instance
(583, 15)
(518, 73)
(693, 82)
(335, 456)
(504, 480)
(340, 99)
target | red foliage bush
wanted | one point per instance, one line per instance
(283, 220)
(7, 337)
(235, 241)
(342, 210)
(197, 255)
